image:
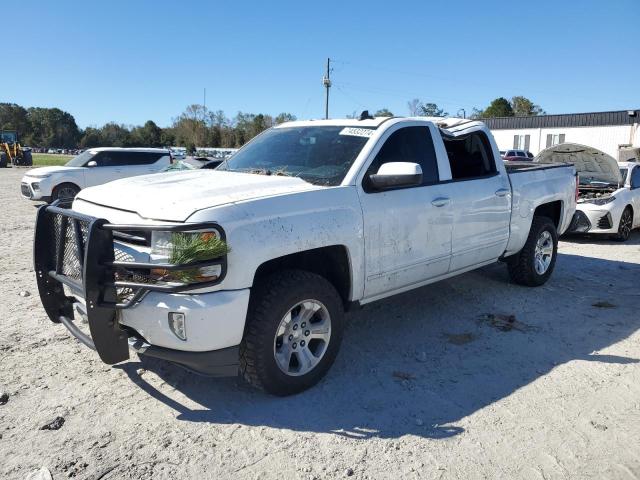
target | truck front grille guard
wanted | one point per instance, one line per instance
(78, 251)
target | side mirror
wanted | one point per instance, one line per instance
(92, 163)
(396, 175)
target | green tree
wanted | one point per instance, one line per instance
(115, 135)
(284, 117)
(523, 107)
(91, 137)
(191, 126)
(500, 107)
(15, 117)
(383, 112)
(52, 127)
(149, 135)
(432, 110)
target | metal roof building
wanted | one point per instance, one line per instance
(606, 131)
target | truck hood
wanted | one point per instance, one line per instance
(50, 170)
(175, 196)
(590, 162)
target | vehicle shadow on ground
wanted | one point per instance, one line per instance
(420, 362)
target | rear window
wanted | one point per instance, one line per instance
(118, 159)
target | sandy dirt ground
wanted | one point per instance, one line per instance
(424, 386)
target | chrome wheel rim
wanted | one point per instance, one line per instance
(625, 224)
(67, 193)
(543, 253)
(302, 338)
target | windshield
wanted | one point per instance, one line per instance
(321, 155)
(623, 174)
(81, 160)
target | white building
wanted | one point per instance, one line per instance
(606, 131)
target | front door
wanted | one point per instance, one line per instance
(407, 231)
(108, 168)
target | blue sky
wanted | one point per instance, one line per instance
(130, 61)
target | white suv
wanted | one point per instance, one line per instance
(92, 167)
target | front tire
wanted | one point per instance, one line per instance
(64, 192)
(293, 332)
(625, 225)
(534, 264)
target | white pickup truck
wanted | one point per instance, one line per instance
(251, 267)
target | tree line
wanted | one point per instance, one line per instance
(518, 106)
(197, 126)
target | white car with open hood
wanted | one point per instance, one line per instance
(95, 166)
(252, 266)
(609, 191)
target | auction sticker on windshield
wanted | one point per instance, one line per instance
(357, 132)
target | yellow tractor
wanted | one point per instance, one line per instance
(11, 153)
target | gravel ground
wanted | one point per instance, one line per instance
(424, 387)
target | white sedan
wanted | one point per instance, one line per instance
(609, 191)
(92, 167)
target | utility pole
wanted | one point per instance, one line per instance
(326, 81)
(204, 102)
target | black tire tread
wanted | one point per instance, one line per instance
(617, 237)
(521, 269)
(264, 298)
(56, 190)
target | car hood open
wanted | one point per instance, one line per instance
(175, 196)
(590, 162)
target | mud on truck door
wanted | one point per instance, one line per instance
(407, 230)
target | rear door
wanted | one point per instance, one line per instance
(133, 163)
(108, 167)
(480, 200)
(407, 231)
(148, 162)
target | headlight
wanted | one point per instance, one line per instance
(44, 175)
(185, 248)
(601, 200)
(35, 186)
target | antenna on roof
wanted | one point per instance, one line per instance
(365, 115)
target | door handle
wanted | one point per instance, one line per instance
(440, 201)
(502, 192)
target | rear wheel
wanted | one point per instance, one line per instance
(65, 192)
(293, 332)
(624, 227)
(535, 262)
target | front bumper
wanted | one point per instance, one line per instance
(592, 220)
(35, 189)
(76, 252)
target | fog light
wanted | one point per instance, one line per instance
(178, 325)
